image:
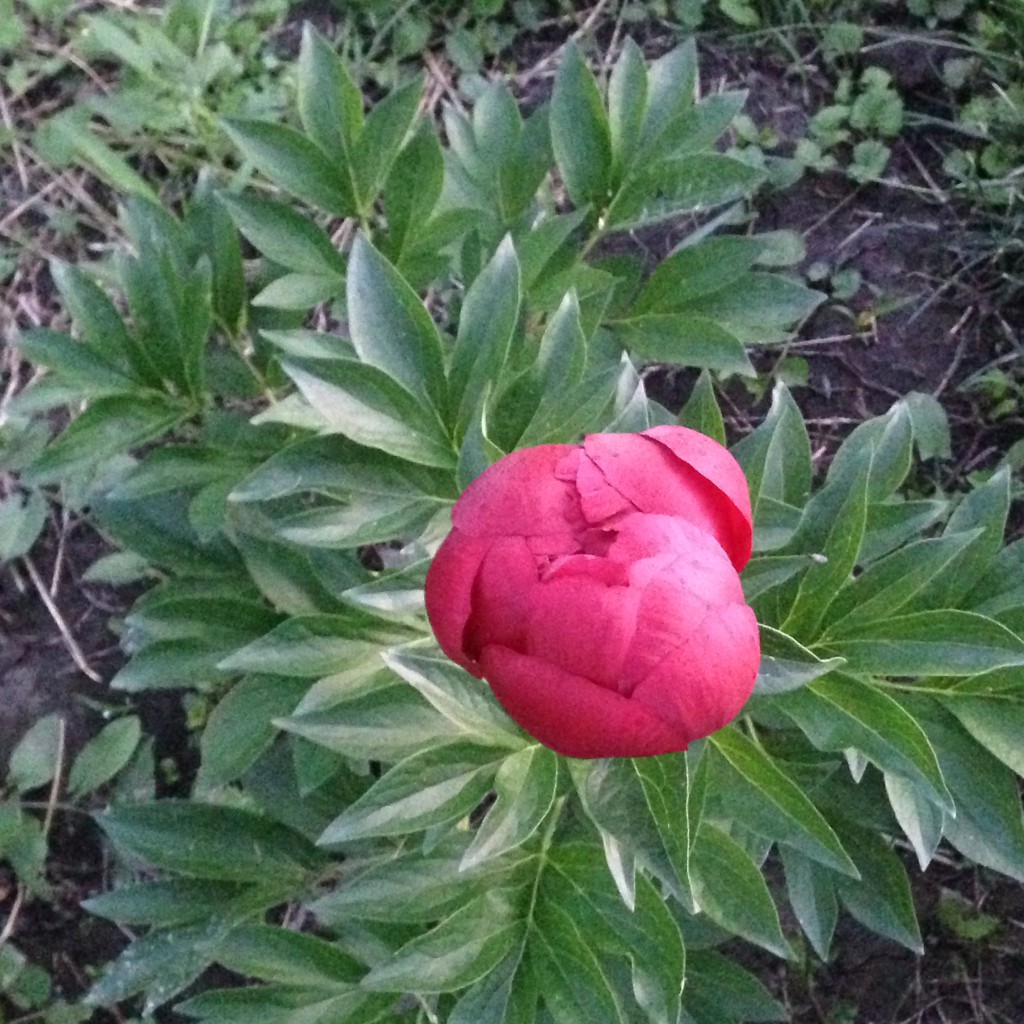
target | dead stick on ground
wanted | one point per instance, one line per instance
(69, 641)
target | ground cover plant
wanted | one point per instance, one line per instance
(369, 836)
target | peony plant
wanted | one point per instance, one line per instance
(374, 834)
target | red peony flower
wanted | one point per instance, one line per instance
(596, 588)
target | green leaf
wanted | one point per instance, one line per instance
(384, 131)
(931, 426)
(525, 786)
(21, 522)
(985, 508)
(241, 726)
(776, 457)
(433, 787)
(412, 191)
(839, 712)
(95, 316)
(459, 951)
(362, 520)
(507, 995)
(701, 411)
(685, 184)
(296, 164)
(881, 900)
(167, 904)
(787, 665)
(812, 895)
(694, 271)
(935, 643)
(770, 803)
(490, 315)
(823, 579)
(183, 661)
(685, 339)
(643, 803)
(334, 463)
(413, 886)
(987, 827)
(109, 427)
(284, 236)
(922, 822)
(36, 757)
(627, 106)
(280, 955)
(464, 701)
(574, 983)
(890, 436)
(160, 964)
(730, 888)
(310, 646)
(646, 935)
(995, 723)
(330, 105)
(672, 81)
(385, 725)
(104, 755)
(89, 371)
(717, 985)
(208, 841)
(389, 327)
(370, 408)
(890, 584)
(580, 135)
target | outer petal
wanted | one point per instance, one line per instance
(521, 495)
(703, 684)
(572, 715)
(717, 465)
(502, 595)
(649, 474)
(449, 592)
(582, 621)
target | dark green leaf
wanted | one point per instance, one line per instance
(730, 888)
(284, 236)
(579, 131)
(207, 841)
(786, 664)
(384, 132)
(839, 712)
(433, 787)
(770, 803)
(701, 411)
(936, 643)
(296, 164)
(525, 787)
(389, 327)
(459, 951)
(812, 895)
(685, 339)
(109, 427)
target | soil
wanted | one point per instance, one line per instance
(943, 324)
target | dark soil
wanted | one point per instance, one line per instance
(918, 322)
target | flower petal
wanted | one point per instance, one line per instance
(572, 715)
(503, 595)
(718, 466)
(582, 619)
(703, 683)
(521, 495)
(653, 478)
(449, 590)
